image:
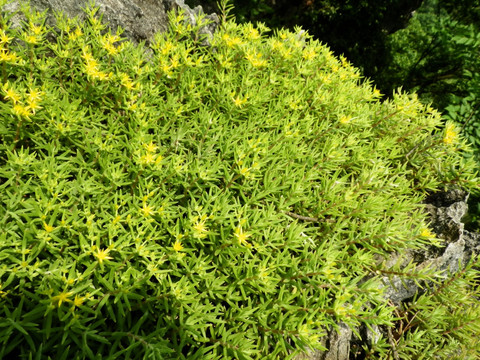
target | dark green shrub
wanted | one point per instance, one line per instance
(201, 202)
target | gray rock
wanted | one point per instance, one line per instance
(141, 19)
(192, 15)
(338, 343)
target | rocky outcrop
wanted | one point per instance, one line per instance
(141, 19)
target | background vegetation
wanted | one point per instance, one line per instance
(431, 47)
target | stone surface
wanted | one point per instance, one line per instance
(141, 19)
(194, 13)
(338, 343)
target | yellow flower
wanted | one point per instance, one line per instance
(107, 43)
(150, 147)
(177, 246)
(234, 41)
(256, 59)
(91, 68)
(309, 54)
(294, 105)
(244, 171)
(345, 119)
(4, 38)
(103, 76)
(238, 101)
(451, 134)
(251, 33)
(11, 94)
(31, 39)
(231, 41)
(34, 94)
(167, 48)
(126, 81)
(224, 61)
(242, 237)
(102, 255)
(286, 53)
(132, 106)
(263, 274)
(78, 301)
(87, 55)
(37, 30)
(48, 228)
(276, 44)
(5, 56)
(62, 297)
(75, 35)
(174, 61)
(340, 309)
(21, 110)
(116, 219)
(112, 38)
(426, 233)
(199, 229)
(33, 106)
(147, 210)
(111, 49)
(148, 158)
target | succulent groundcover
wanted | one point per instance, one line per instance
(225, 197)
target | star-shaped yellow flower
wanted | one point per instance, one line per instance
(102, 255)
(62, 297)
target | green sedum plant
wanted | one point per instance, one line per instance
(231, 201)
(442, 323)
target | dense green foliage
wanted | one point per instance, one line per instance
(221, 202)
(466, 11)
(436, 55)
(454, 306)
